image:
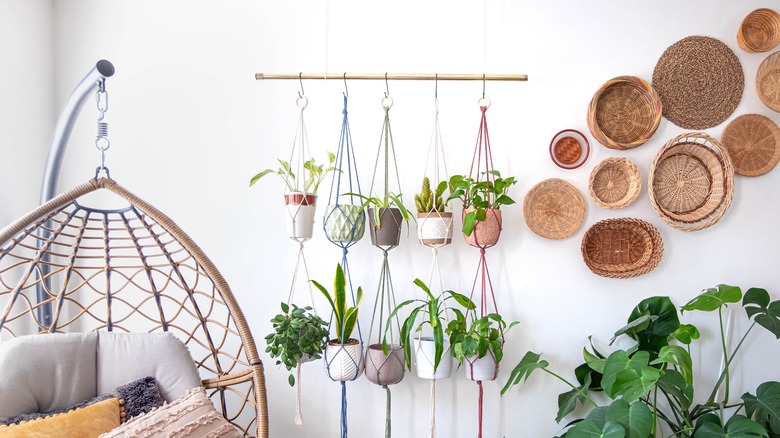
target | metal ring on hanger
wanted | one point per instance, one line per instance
(387, 102)
(302, 102)
(484, 102)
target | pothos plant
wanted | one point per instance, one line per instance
(298, 334)
(651, 383)
(434, 315)
(474, 337)
(480, 195)
(313, 174)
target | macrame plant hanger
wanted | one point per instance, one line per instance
(300, 207)
(344, 225)
(385, 359)
(484, 236)
(434, 230)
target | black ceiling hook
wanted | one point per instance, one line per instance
(300, 80)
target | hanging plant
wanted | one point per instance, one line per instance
(390, 209)
(299, 336)
(478, 342)
(304, 189)
(434, 224)
(481, 197)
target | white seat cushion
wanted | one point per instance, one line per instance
(122, 357)
(40, 373)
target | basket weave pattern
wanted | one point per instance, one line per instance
(753, 143)
(615, 183)
(768, 81)
(622, 248)
(624, 113)
(554, 209)
(691, 182)
(759, 31)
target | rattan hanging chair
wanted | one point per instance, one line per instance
(130, 270)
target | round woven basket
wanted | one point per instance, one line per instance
(691, 182)
(615, 183)
(753, 143)
(624, 113)
(700, 80)
(554, 209)
(768, 81)
(622, 248)
(569, 149)
(759, 31)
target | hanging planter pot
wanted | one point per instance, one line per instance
(300, 208)
(344, 362)
(424, 353)
(481, 369)
(434, 228)
(389, 231)
(487, 232)
(384, 369)
(344, 223)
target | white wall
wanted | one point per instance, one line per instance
(190, 126)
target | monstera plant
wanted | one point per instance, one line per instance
(650, 385)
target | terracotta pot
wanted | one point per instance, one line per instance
(385, 369)
(300, 198)
(344, 223)
(487, 232)
(389, 234)
(424, 354)
(344, 362)
(484, 368)
(434, 228)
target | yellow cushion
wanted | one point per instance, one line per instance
(89, 421)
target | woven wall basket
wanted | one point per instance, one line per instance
(554, 209)
(753, 143)
(624, 113)
(768, 81)
(622, 248)
(691, 182)
(759, 31)
(615, 183)
(700, 81)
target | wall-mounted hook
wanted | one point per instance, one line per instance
(387, 87)
(483, 85)
(436, 88)
(346, 90)
(300, 80)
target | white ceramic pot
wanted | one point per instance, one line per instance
(344, 223)
(344, 362)
(300, 221)
(385, 369)
(484, 368)
(434, 228)
(424, 355)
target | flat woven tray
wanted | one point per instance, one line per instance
(569, 149)
(622, 248)
(759, 31)
(554, 209)
(624, 113)
(691, 182)
(768, 81)
(615, 183)
(753, 142)
(700, 81)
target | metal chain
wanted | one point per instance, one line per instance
(101, 141)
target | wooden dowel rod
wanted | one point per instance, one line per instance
(393, 76)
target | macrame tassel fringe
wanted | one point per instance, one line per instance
(432, 413)
(343, 409)
(388, 422)
(479, 383)
(298, 415)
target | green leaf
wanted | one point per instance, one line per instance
(592, 429)
(636, 418)
(713, 298)
(663, 322)
(766, 314)
(673, 383)
(258, 176)
(686, 333)
(676, 355)
(469, 222)
(463, 300)
(635, 326)
(738, 426)
(291, 380)
(764, 407)
(595, 363)
(523, 370)
(629, 377)
(568, 401)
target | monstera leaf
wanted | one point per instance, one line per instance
(713, 298)
(738, 426)
(662, 321)
(766, 314)
(629, 377)
(636, 418)
(596, 425)
(764, 407)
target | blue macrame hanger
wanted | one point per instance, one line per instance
(344, 225)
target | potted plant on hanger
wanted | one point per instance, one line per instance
(343, 354)
(388, 210)
(299, 336)
(434, 225)
(301, 193)
(430, 359)
(482, 201)
(479, 342)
